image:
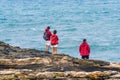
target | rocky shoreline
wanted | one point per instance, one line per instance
(31, 64)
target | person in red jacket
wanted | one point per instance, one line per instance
(54, 42)
(84, 49)
(47, 30)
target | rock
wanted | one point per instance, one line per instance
(22, 64)
(97, 75)
(100, 62)
(64, 61)
(115, 64)
(46, 60)
(66, 58)
(41, 75)
(116, 76)
(80, 74)
(111, 72)
(2, 47)
(8, 72)
(20, 76)
(70, 73)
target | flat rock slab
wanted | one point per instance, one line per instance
(116, 76)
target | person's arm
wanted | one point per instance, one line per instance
(88, 49)
(80, 49)
(57, 38)
(50, 34)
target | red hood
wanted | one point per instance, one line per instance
(46, 29)
(48, 32)
(84, 44)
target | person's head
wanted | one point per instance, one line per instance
(55, 31)
(84, 40)
(48, 27)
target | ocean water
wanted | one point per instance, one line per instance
(22, 23)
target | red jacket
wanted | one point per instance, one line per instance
(54, 39)
(49, 33)
(84, 49)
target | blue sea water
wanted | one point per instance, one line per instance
(22, 23)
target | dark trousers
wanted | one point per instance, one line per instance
(85, 57)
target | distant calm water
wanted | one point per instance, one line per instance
(22, 23)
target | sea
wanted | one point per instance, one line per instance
(22, 23)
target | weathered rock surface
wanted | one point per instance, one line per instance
(31, 64)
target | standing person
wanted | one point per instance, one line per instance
(54, 42)
(46, 36)
(84, 49)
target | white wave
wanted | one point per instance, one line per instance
(34, 29)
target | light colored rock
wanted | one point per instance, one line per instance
(20, 75)
(8, 72)
(115, 65)
(64, 61)
(66, 58)
(80, 74)
(26, 61)
(5, 61)
(70, 73)
(41, 75)
(14, 71)
(96, 72)
(50, 74)
(59, 74)
(111, 72)
(115, 76)
(2, 47)
(31, 75)
(46, 60)
(96, 75)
